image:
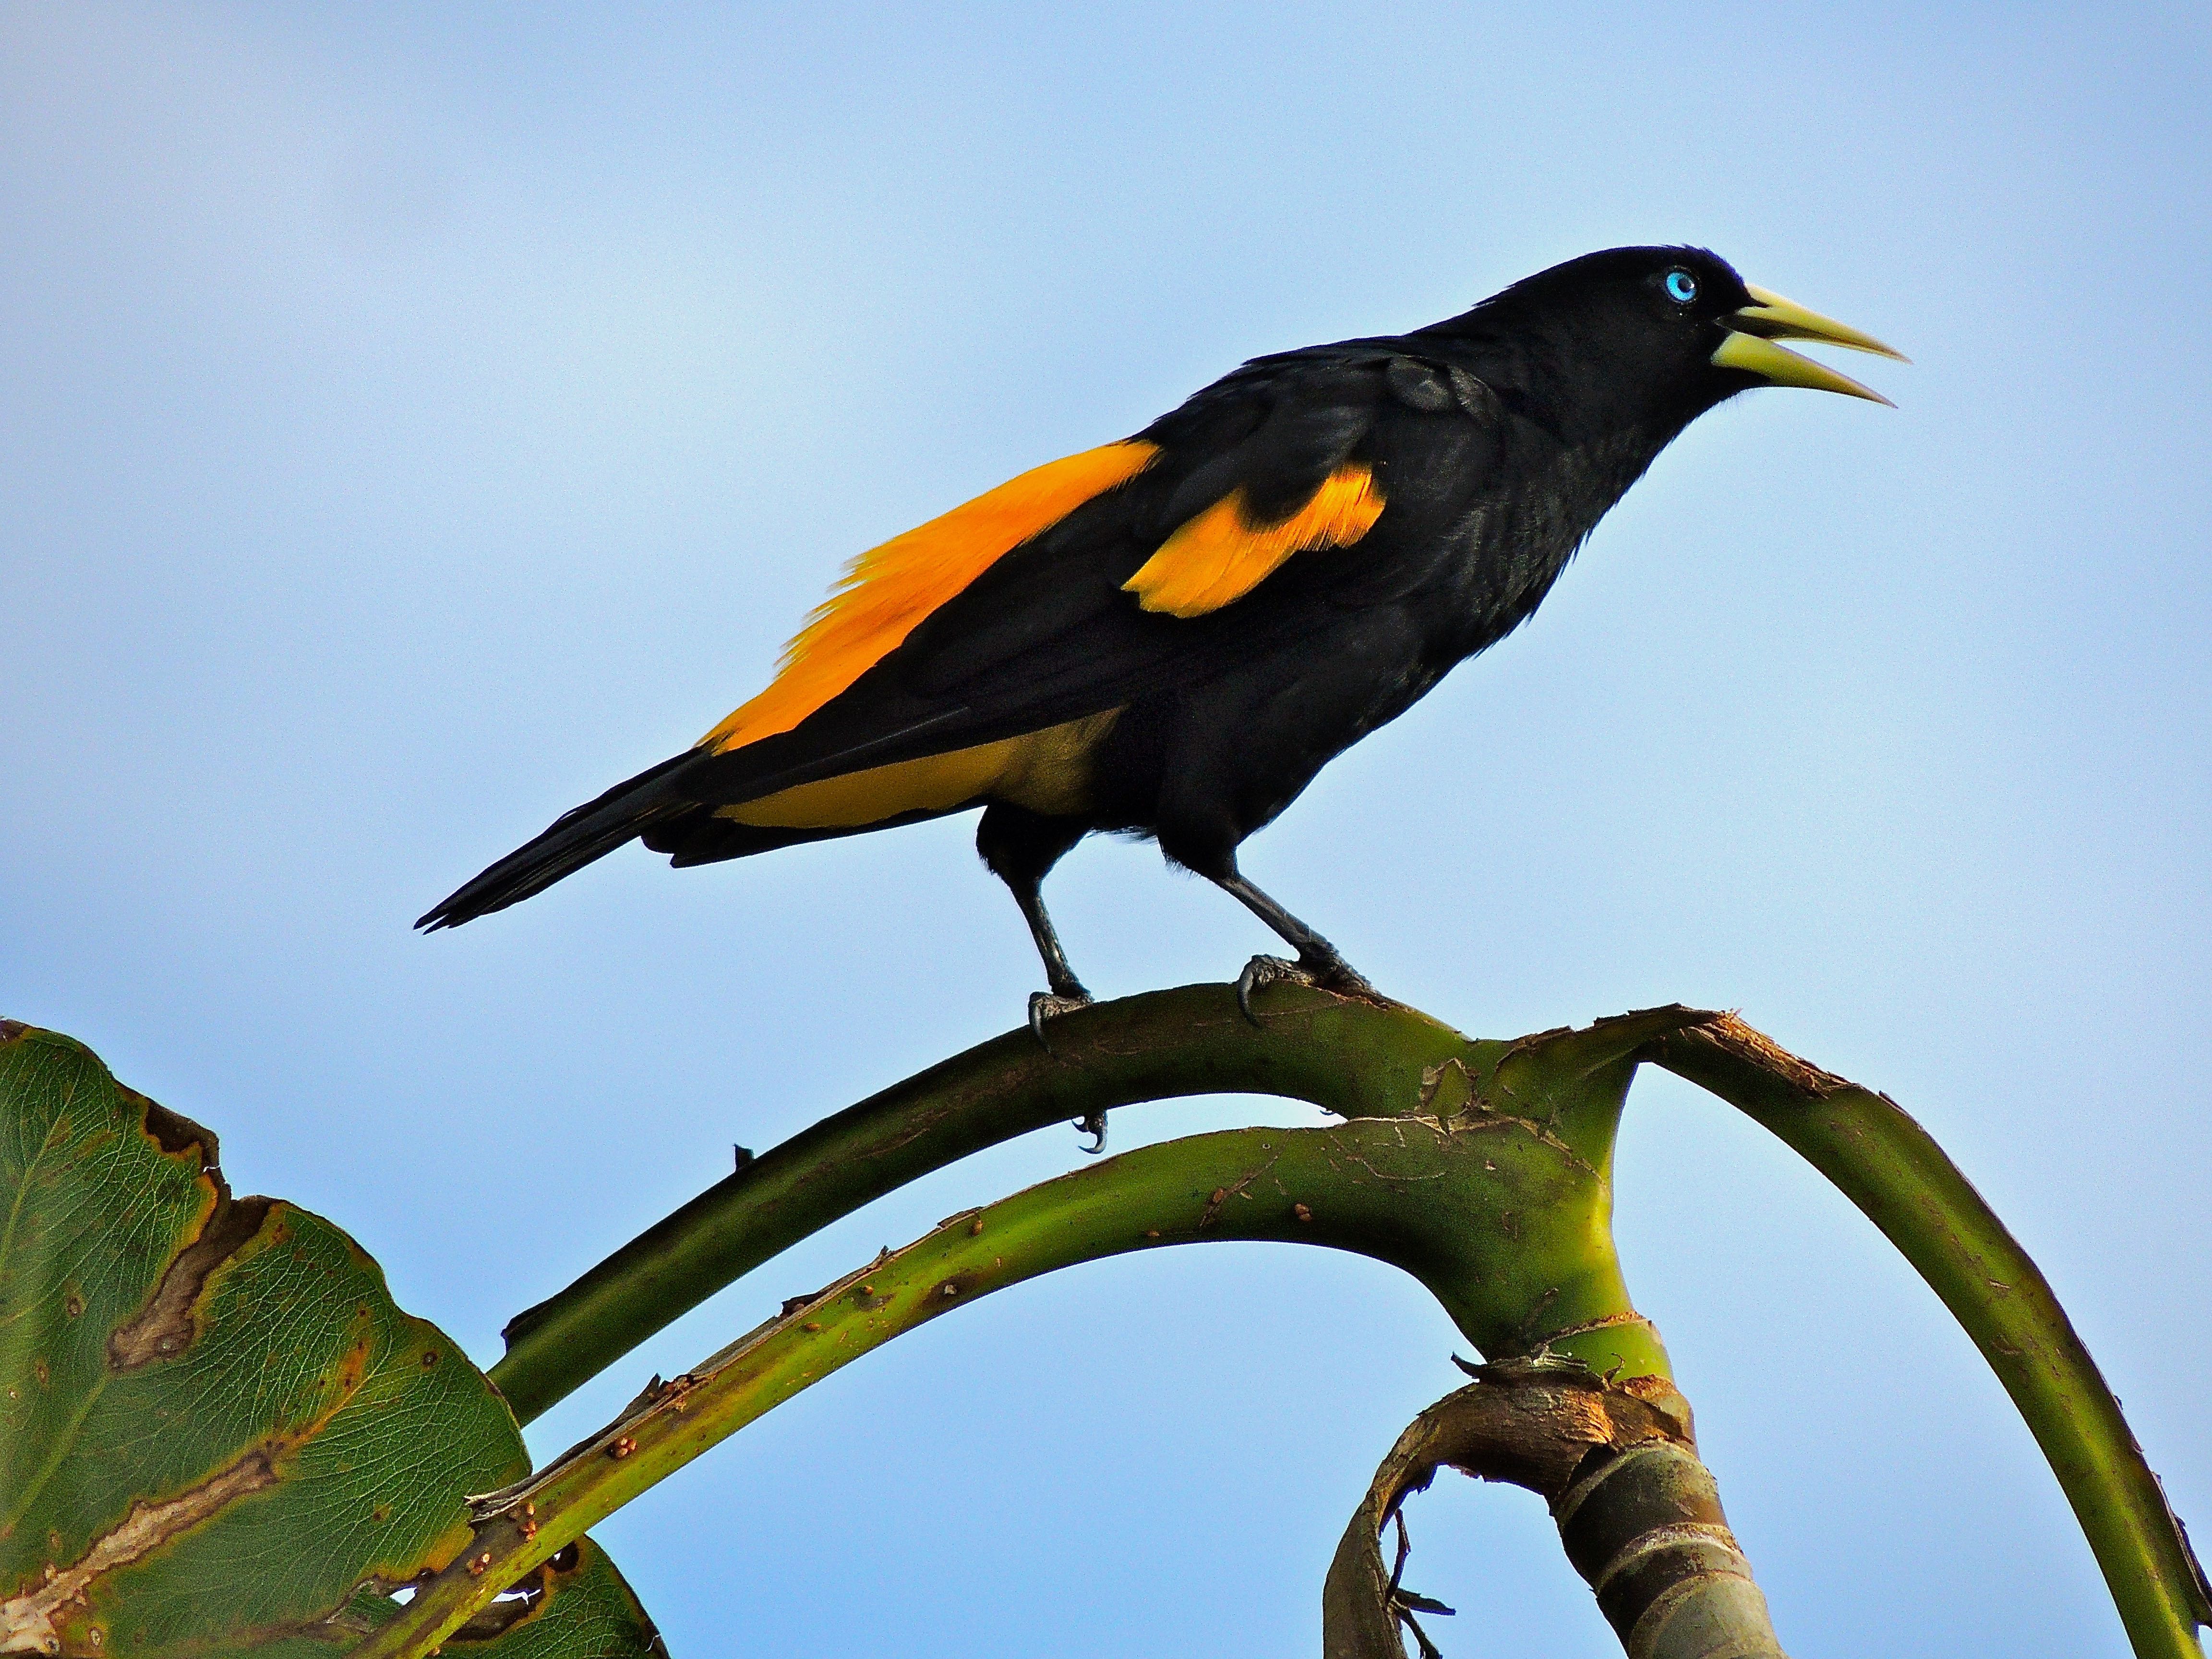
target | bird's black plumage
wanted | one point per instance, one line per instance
(1258, 580)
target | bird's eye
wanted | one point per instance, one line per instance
(1682, 287)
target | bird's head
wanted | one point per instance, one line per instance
(1658, 335)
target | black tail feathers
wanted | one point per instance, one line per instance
(572, 840)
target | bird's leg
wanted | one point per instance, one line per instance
(1319, 962)
(1067, 995)
(1066, 992)
(1020, 846)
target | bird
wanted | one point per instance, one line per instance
(1169, 635)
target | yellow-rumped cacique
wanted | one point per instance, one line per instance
(1171, 635)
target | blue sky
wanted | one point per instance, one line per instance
(413, 419)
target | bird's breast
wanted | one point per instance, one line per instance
(1511, 541)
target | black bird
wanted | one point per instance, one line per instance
(1171, 635)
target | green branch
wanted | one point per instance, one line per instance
(1358, 1058)
(1499, 1215)
(1639, 1514)
(1384, 1062)
(1890, 1167)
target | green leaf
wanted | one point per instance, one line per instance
(218, 1433)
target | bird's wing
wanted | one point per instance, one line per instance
(886, 592)
(1080, 585)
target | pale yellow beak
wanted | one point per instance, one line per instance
(1753, 330)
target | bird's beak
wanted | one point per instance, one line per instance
(1752, 331)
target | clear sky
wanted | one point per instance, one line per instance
(415, 418)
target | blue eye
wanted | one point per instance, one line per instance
(1682, 287)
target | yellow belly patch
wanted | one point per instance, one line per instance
(1047, 771)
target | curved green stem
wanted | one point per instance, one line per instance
(1500, 1218)
(1890, 1167)
(1359, 1059)
(1372, 1061)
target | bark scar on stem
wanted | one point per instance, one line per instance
(1222, 1195)
(1730, 1033)
(1616, 1463)
(1609, 1322)
(1381, 1178)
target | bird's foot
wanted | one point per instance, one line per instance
(1334, 974)
(1266, 970)
(1050, 1004)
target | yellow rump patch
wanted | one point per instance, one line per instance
(887, 592)
(1047, 771)
(1221, 555)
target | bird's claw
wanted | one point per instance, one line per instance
(1266, 970)
(1048, 1005)
(1337, 976)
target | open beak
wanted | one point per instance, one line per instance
(1752, 331)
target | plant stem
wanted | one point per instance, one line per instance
(1372, 1061)
(1359, 1059)
(1639, 1513)
(1501, 1219)
(1890, 1167)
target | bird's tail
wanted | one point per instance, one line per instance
(572, 840)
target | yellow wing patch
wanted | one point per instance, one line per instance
(889, 590)
(1047, 771)
(1221, 555)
